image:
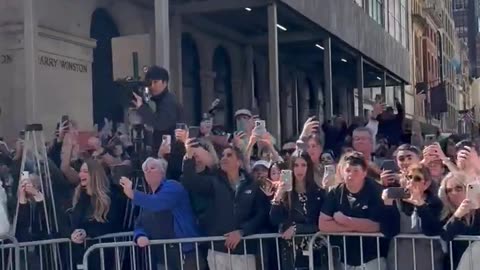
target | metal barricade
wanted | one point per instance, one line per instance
(53, 254)
(9, 251)
(263, 251)
(405, 251)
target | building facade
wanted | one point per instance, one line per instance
(394, 17)
(450, 119)
(466, 16)
(285, 59)
(463, 84)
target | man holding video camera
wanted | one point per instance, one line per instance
(162, 113)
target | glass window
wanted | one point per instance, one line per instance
(391, 17)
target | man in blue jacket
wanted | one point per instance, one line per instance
(166, 213)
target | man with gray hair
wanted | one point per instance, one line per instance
(165, 213)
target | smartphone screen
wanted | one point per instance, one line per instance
(473, 194)
(330, 170)
(260, 127)
(397, 193)
(166, 139)
(389, 165)
(193, 132)
(25, 175)
(286, 177)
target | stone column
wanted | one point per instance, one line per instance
(162, 33)
(274, 123)
(30, 36)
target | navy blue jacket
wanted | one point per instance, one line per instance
(165, 214)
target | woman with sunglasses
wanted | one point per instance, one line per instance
(296, 212)
(459, 215)
(419, 210)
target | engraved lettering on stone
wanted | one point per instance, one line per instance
(63, 64)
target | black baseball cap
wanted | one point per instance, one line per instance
(156, 73)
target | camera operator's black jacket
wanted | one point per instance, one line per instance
(163, 119)
(245, 209)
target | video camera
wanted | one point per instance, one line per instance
(127, 86)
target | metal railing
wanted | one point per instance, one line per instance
(50, 254)
(14, 246)
(430, 254)
(270, 251)
(263, 251)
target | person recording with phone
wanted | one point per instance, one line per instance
(235, 199)
(30, 210)
(460, 214)
(201, 164)
(163, 112)
(392, 170)
(166, 213)
(295, 209)
(418, 212)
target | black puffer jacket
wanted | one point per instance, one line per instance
(245, 208)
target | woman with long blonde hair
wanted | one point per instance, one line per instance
(91, 211)
(459, 213)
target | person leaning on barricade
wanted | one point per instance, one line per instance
(461, 216)
(238, 208)
(94, 212)
(295, 210)
(414, 194)
(356, 206)
(166, 213)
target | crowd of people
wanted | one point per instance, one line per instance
(364, 178)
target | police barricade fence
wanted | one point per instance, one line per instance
(405, 251)
(49, 254)
(13, 251)
(262, 251)
(410, 251)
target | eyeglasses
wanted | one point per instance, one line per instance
(415, 178)
(457, 189)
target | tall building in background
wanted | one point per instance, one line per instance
(466, 16)
(463, 84)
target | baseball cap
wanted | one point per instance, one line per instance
(262, 163)
(243, 112)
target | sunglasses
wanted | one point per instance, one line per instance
(287, 151)
(457, 189)
(415, 178)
